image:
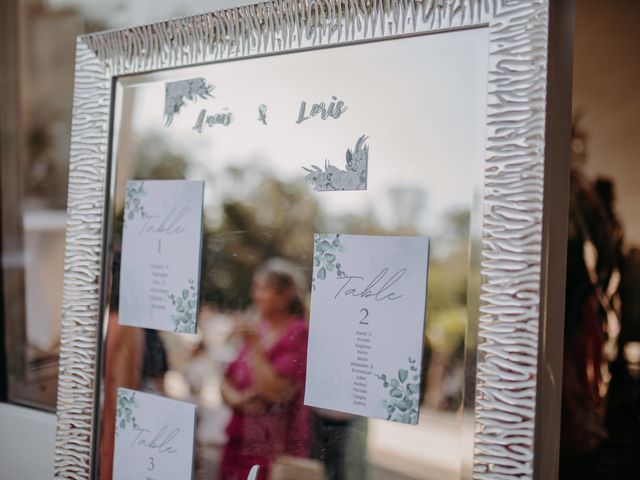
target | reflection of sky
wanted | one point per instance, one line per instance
(420, 101)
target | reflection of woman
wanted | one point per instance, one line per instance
(264, 385)
(124, 354)
(135, 358)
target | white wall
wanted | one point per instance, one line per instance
(26, 443)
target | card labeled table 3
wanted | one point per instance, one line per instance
(161, 249)
(366, 333)
(154, 437)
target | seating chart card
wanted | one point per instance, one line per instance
(161, 248)
(366, 332)
(154, 437)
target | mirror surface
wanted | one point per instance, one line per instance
(420, 101)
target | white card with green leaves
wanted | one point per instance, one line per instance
(161, 249)
(154, 437)
(366, 331)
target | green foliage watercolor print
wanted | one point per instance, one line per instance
(126, 406)
(403, 403)
(331, 178)
(327, 249)
(186, 305)
(133, 201)
(177, 92)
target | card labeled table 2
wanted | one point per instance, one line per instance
(366, 333)
(161, 249)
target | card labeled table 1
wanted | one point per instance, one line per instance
(366, 332)
(161, 249)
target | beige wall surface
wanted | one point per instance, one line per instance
(607, 91)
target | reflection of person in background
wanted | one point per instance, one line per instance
(124, 347)
(135, 358)
(592, 325)
(264, 384)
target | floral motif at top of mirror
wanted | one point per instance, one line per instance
(354, 177)
(177, 92)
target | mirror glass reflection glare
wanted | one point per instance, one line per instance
(420, 102)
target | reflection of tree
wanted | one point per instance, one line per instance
(157, 160)
(448, 314)
(252, 214)
(257, 215)
(407, 204)
(276, 219)
(154, 160)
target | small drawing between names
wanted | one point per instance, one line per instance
(332, 179)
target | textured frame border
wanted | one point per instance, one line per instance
(508, 329)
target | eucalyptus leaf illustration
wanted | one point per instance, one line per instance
(403, 405)
(327, 248)
(353, 177)
(126, 406)
(413, 388)
(404, 397)
(133, 200)
(185, 304)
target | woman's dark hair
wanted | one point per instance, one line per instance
(282, 275)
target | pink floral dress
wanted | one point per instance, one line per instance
(258, 439)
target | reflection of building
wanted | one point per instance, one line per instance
(47, 66)
(45, 70)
